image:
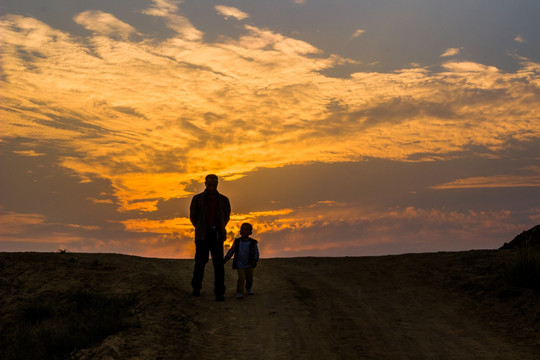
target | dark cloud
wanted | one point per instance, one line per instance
(381, 184)
(129, 111)
(400, 109)
(72, 124)
(39, 185)
(171, 208)
(148, 158)
(188, 126)
(29, 58)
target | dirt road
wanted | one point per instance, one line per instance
(394, 307)
(348, 309)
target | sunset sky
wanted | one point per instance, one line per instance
(337, 128)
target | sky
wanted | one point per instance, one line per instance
(337, 128)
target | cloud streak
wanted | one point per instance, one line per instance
(358, 32)
(451, 52)
(229, 11)
(497, 181)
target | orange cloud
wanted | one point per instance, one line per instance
(229, 11)
(176, 225)
(103, 23)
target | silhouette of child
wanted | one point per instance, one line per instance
(246, 255)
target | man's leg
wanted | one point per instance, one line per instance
(201, 258)
(219, 267)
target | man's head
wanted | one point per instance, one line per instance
(246, 229)
(211, 182)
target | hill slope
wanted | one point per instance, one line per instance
(527, 238)
(414, 306)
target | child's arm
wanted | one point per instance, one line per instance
(230, 253)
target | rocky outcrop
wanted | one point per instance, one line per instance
(528, 238)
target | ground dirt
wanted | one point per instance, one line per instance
(416, 306)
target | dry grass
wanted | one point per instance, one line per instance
(74, 321)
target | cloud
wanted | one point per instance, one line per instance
(451, 52)
(152, 117)
(519, 39)
(163, 8)
(358, 32)
(228, 11)
(495, 181)
(468, 66)
(169, 11)
(28, 153)
(12, 222)
(104, 24)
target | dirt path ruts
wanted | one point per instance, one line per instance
(324, 309)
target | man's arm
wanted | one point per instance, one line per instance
(194, 211)
(227, 211)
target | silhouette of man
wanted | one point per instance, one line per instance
(209, 213)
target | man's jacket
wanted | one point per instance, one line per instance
(198, 214)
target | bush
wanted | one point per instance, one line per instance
(524, 269)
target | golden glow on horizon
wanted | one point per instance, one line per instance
(380, 225)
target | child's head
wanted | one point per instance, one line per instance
(246, 229)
